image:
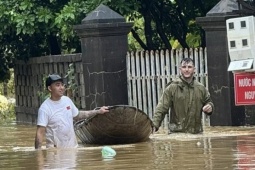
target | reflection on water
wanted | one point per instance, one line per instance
(245, 152)
(216, 148)
(57, 159)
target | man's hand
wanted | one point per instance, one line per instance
(103, 110)
(207, 108)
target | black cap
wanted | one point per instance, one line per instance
(52, 78)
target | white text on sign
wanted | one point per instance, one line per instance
(249, 95)
(246, 82)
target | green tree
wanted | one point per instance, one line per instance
(167, 20)
(31, 28)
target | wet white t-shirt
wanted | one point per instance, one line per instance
(57, 117)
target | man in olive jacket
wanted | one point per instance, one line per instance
(187, 99)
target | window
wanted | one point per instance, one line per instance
(243, 24)
(231, 25)
(245, 42)
(232, 44)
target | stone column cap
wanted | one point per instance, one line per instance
(103, 14)
(224, 7)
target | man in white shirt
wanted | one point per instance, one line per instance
(56, 115)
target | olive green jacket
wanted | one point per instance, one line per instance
(186, 101)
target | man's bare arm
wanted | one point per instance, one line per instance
(40, 132)
(83, 114)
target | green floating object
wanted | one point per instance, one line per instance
(108, 152)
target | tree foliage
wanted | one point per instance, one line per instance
(32, 28)
(166, 20)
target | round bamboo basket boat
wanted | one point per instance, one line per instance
(121, 125)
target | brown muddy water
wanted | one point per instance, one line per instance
(217, 148)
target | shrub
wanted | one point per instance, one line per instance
(3, 103)
(7, 113)
(9, 86)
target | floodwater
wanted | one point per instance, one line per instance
(217, 148)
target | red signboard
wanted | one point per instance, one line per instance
(244, 88)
